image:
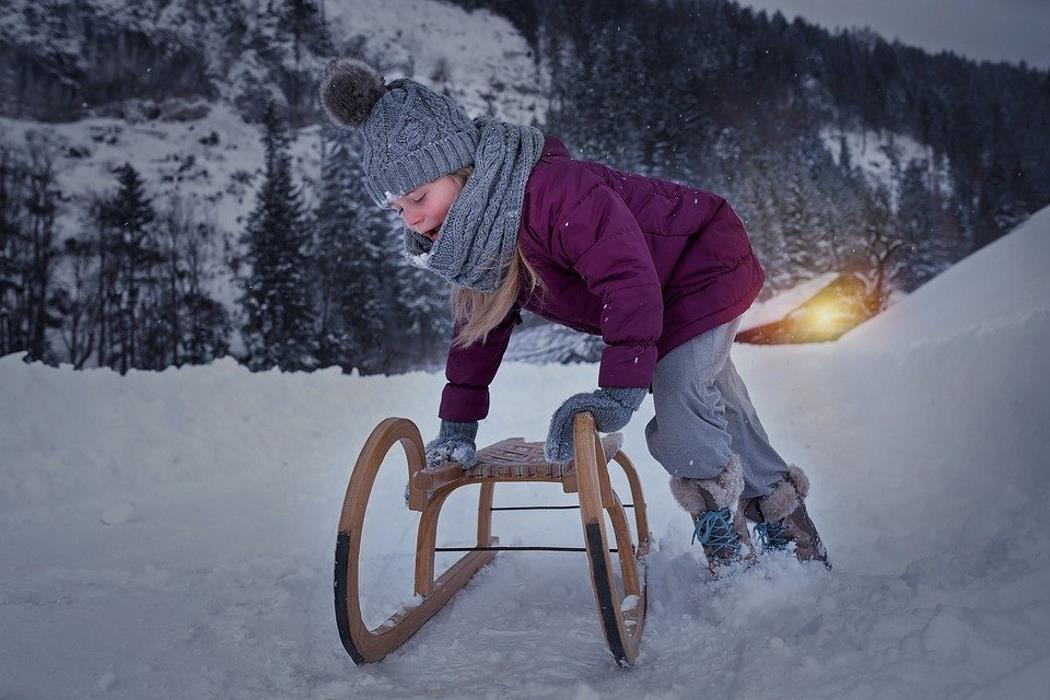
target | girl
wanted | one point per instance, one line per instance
(661, 271)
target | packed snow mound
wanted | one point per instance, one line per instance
(172, 533)
(1005, 283)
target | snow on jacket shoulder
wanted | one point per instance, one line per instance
(645, 263)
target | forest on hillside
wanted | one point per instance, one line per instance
(765, 112)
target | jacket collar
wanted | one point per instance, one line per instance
(553, 148)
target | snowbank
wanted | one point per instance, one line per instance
(1004, 285)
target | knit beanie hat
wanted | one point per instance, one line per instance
(412, 135)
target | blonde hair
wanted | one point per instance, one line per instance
(483, 311)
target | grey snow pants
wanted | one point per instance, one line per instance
(703, 413)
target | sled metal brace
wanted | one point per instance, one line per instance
(625, 505)
(535, 548)
(514, 549)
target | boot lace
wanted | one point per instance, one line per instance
(714, 529)
(772, 535)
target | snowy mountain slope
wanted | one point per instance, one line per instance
(874, 152)
(201, 148)
(219, 178)
(105, 52)
(171, 534)
(213, 164)
(485, 61)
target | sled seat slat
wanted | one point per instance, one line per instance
(515, 457)
(512, 459)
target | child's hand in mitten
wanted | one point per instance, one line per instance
(612, 409)
(454, 443)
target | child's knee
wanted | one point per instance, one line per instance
(687, 458)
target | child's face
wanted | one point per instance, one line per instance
(424, 208)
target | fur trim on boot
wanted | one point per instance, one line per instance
(783, 514)
(786, 495)
(701, 495)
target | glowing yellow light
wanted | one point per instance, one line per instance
(826, 317)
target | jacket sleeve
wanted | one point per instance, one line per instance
(598, 237)
(470, 370)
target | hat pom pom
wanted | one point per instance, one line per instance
(349, 89)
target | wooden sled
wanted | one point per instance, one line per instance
(509, 460)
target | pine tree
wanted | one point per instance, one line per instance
(276, 299)
(915, 220)
(302, 19)
(845, 158)
(12, 245)
(423, 322)
(352, 266)
(28, 253)
(76, 303)
(799, 227)
(41, 254)
(131, 244)
(588, 107)
(194, 327)
(207, 323)
(299, 17)
(106, 245)
(376, 312)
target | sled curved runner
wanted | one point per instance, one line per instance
(514, 459)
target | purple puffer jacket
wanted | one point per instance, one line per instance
(645, 263)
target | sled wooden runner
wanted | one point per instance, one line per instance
(514, 459)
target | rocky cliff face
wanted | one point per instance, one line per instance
(66, 60)
(63, 60)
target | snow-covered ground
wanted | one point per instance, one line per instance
(171, 534)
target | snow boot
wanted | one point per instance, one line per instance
(718, 522)
(782, 518)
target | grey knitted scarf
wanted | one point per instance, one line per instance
(477, 239)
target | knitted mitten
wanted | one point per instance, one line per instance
(454, 443)
(612, 409)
